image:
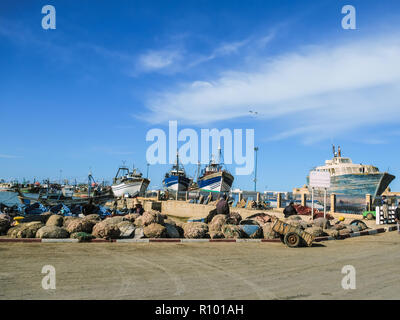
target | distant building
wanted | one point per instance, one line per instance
(390, 193)
(301, 191)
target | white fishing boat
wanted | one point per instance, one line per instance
(214, 178)
(129, 183)
(68, 191)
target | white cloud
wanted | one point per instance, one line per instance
(201, 84)
(221, 51)
(155, 60)
(323, 88)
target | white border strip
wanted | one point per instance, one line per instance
(132, 240)
(59, 240)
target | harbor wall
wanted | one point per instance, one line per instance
(184, 209)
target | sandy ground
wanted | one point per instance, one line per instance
(203, 270)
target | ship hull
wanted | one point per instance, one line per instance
(216, 182)
(176, 183)
(132, 188)
(360, 184)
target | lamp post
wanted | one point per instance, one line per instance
(255, 171)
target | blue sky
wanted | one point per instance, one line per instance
(84, 96)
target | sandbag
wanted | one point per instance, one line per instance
(46, 215)
(332, 233)
(55, 220)
(132, 217)
(68, 220)
(171, 230)
(179, 228)
(80, 225)
(338, 226)
(52, 232)
(195, 230)
(216, 235)
(113, 220)
(106, 230)
(217, 222)
(295, 217)
(345, 231)
(169, 221)
(127, 229)
(234, 218)
(148, 218)
(261, 218)
(268, 233)
(92, 217)
(155, 230)
(25, 230)
(321, 222)
(315, 231)
(231, 231)
(138, 233)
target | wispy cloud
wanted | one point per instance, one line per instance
(158, 59)
(8, 156)
(318, 88)
(221, 51)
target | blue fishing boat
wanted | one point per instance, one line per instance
(215, 178)
(176, 179)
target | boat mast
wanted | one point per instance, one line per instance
(177, 160)
(198, 170)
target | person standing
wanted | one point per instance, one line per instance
(138, 207)
(397, 217)
(115, 206)
(222, 207)
(385, 209)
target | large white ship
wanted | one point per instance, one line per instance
(348, 178)
(128, 182)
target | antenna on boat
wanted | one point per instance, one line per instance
(333, 150)
(339, 151)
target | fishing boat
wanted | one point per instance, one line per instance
(68, 191)
(214, 178)
(6, 187)
(129, 183)
(351, 179)
(56, 199)
(53, 194)
(176, 179)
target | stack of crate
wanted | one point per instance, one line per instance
(379, 215)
